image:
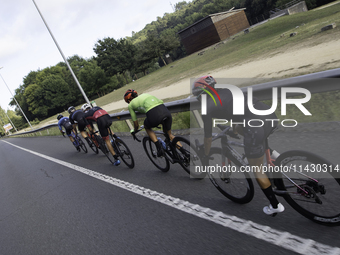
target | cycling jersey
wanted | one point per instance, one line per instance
(254, 135)
(78, 117)
(143, 103)
(102, 118)
(65, 122)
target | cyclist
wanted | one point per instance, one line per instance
(156, 113)
(78, 117)
(254, 136)
(104, 121)
(65, 122)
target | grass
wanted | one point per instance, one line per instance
(264, 40)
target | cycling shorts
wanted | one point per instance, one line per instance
(82, 123)
(155, 116)
(103, 123)
(68, 129)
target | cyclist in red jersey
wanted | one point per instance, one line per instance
(104, 121)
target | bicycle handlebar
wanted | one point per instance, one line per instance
(134, 133)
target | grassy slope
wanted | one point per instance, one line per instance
(262, 41)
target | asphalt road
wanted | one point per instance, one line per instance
(55, 200)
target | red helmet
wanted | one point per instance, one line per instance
(202, 83)
(130, 94)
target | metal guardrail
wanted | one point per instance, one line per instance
(315, 83)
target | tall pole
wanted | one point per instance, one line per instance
(62, 54)
(16, 101)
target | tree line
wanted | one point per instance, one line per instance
(47, 92)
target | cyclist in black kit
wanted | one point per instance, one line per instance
(65, 122)
(254, 136)
(77, 117)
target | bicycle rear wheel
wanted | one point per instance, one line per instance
(188, 157)
(312, 186)
(228, 179)
(162, 163)
(123, 151)
(82, 144)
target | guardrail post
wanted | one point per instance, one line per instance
(129, 124)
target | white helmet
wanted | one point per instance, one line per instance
(86, 107)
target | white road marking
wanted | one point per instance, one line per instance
(265, 233)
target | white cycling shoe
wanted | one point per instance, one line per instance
(269, 210)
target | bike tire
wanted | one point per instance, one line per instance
(188, 157)
(92, 145)
(123, 151)
(162, 163)
(320, 208)
(82, 144)
(101, 144)
(234, 184)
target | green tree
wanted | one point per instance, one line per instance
(115, 57)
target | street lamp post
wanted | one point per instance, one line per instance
(62, 54)
(16, 101)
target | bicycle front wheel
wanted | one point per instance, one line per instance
(124, 153)
(188, 157)
(162, 163)
(310, 186)
(228, 179)
(82, 144)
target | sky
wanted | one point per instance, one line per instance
(26, 45)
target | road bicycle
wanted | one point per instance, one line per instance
(308, 183)
(79, 143)
(119, 146)
(92, 142)
(179, 150)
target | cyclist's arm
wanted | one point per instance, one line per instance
(132, 112)
(207, 145)
(135, 125)
(207, 133)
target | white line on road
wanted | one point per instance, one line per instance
(265, 233)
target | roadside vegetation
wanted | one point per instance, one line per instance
(263, 41)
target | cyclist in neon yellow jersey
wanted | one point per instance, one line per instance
(156, 113)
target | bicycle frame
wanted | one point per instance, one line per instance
(171, 154)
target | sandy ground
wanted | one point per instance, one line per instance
(280, 65)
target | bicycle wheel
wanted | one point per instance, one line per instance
(161, 163)
(101, 144)
(228, 179)
(82, 144)
(188, 157)
(123, 151)
(92, 145)
(311, 185)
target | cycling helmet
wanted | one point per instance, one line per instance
(86, 107)
(202, 83)
(59, 116)
(71, 109)
(130, 94)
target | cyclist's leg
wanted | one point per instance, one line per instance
(255, 145)
(81, 127)
(152, 135)
(104, 122)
